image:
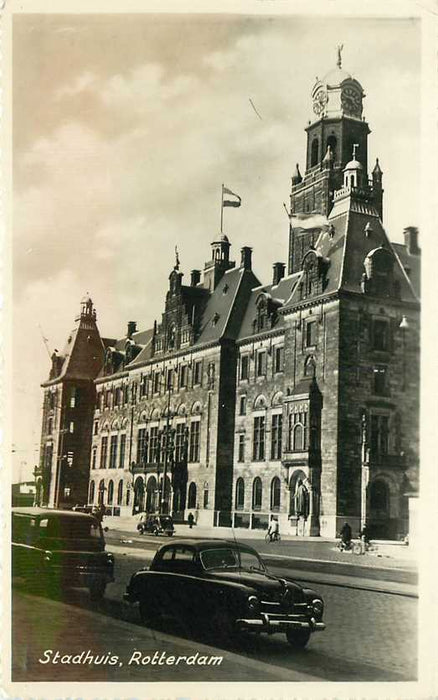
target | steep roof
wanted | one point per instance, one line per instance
(411, 264)
(279, 293)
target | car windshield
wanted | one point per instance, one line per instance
(70, 528)
(230, 558)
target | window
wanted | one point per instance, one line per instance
(169, 379)
(242, 406)
(259, 439)
(241, 451)
(380, 335)
(244, 367)
(205, 495)
(110, 492)
(261, 363)
(183, 376)
(210, 374)
(143, 387)
(141, 445)
(102, 400)
(156, 382)
(120, 493)
(310, 333)
(240, 494)
(93, 457)
(96, 427)
(91, 494)
(180, 442)
(380, 376)
(113, 452)
(275, 493)
(298, 431)
(257, 494)
(314, 153)
(122, 451)
(194, 441)
(49, 425)
(108, 395)
(276, 435)
(71, 427)
(379, 435)
(197, 372)
(103, 452)
(118, 397)
(154, 455)
(278, 359)
(192, 496)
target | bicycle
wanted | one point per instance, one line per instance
(274, 537)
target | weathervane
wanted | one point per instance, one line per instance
(339, 61)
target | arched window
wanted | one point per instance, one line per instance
(110, 492)
(101, 491)
(275, 493)
(240, 493)
(120, 493)
(192, 496)
(257, 494)
(92, 490)
(297, 431)
(314, 153)
(298, 437)
(205, 494)
(332, 142)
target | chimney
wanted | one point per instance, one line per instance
(279, 268)
(245, 260)
(132, 327)
(410, 234)
(195, 277)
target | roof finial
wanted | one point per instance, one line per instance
(176, 266)
(339, 61)
(355, 146)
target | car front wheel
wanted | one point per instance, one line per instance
(298, 638)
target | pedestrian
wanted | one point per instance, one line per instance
(346, 536)
(273, 529)
(190, 520)
(364, 538)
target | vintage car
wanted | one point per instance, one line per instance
(156, 525)
(224, 587)
(60, 549)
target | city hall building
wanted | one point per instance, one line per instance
(298, 398)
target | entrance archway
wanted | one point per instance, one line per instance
(139, 495)
(379, 509)
(151, 495)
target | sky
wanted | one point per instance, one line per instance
(124, 129)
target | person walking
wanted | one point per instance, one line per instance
(345, 536)
(190, 520)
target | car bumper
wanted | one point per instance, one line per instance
(266, 623)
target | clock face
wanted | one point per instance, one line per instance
(319, 101)
(351, 101)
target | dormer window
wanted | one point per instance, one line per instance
(314, 279)
(378, 278)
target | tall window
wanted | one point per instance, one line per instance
(310, 333)
(120, 493)
(183, 376)
(110, 492)
(73, 397)
(380, 334)
(298, 431)
(113, 452)
(156, 382)
(278, 359)
(93, 457)
(379, 435)
(276, 435)
(242, 406)
(259, 439)
(314, 153)
(240, 494)
(143, 386)
(205, 495)
(153, 445)
(141, 445)
(192, 496)
(275, 493)
(241, 451)
(180, 442)
(197, 372)
(92, 490)
(244, 367)
(103, 452)
(122, 451)
(194, 441)
(257, 494)
(380, 383)
(261, 363)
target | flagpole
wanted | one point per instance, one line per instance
(222, 207)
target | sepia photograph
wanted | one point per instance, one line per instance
(216, 252)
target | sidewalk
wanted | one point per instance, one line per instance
(388, 552)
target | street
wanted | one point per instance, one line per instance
(370, 635)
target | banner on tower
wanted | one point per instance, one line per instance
(309, 221)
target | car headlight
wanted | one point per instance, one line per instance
(109, 558)
(47, 556)
(253, 603)
(317, 607)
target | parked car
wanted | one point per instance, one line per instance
(156, 525)
(60, 549)
(225, 586)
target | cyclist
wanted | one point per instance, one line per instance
(273, 529)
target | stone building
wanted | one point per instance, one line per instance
(297, 399)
